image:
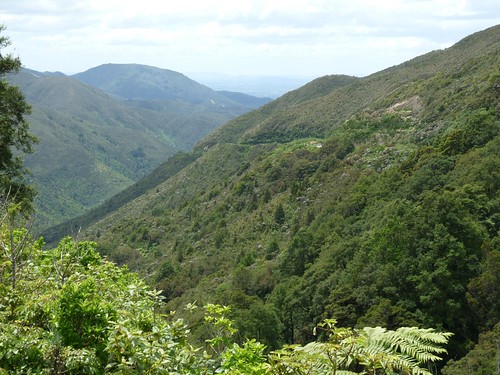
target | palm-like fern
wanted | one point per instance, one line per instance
(405, 349)
(365, 351)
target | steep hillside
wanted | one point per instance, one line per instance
(373, 201)
(158, 175)
(286, 119)
(93, 145)
(313, 89)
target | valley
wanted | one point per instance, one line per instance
(345, 204)
(95, 143)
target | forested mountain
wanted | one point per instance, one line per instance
(94, 144)
(370, 200)
(143, 82)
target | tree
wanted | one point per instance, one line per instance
(14, 135)
(279, 215)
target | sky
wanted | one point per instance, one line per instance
(238, 37)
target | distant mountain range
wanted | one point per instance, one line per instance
(103, 129)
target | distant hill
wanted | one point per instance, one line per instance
(94, 144)
(259, 86)
(42, 74)
(373, 201)
(142, 82)
(134, 81)
(245, 99)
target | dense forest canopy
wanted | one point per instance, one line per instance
(68, 311)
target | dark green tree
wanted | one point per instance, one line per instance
(15, 138)
(279, 215)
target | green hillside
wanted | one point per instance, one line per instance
(94, 145)
(370, 200)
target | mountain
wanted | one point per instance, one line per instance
(134, 81)
(373, 201)
(93, 144)
(142, 82)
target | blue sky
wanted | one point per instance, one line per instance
(238, 37)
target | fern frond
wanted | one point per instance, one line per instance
(372, 349)
(402, 350)
(418, 343)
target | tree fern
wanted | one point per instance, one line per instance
(417, 342)
(365, 351)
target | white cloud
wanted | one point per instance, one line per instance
(300, 37)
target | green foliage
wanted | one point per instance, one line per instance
(162, 349)
(279, 215)
(222, 327)
(479, 128)
(299, 254)
(83, 316)
(366, 351)
(15, 138)
(248, 359)
(80, 314)
(482, 291)
(72, 312)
